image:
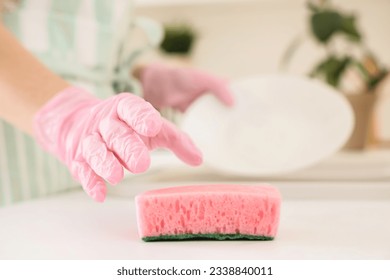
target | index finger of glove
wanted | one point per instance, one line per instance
(178, 142)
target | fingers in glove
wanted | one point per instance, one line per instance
(219, 88)
(139, 115)
(92, 184)
(101, 160)
(126, 144)
(178, 142)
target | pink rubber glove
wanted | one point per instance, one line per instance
(97, 138)
(177, 88)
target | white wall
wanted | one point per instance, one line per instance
(241, 38)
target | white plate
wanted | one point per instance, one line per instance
(280, 123)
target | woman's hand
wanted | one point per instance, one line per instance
(97, 138)
(178, 87)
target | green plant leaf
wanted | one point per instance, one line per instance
(348, 27)
(178, 38)
(332, 69)
(324, 24)
(371, 80)
(374, 81)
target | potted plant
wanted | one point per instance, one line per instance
(349, 65)
(178, 41)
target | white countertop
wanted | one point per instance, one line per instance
(319, 220)
(71, 226)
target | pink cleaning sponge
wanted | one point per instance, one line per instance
(209, 211)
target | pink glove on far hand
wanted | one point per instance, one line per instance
(97, 138)
(177, 88)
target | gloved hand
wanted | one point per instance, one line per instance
(177, 88)
(97, 138)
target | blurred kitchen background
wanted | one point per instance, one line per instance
(239, 38)
(343, 42)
